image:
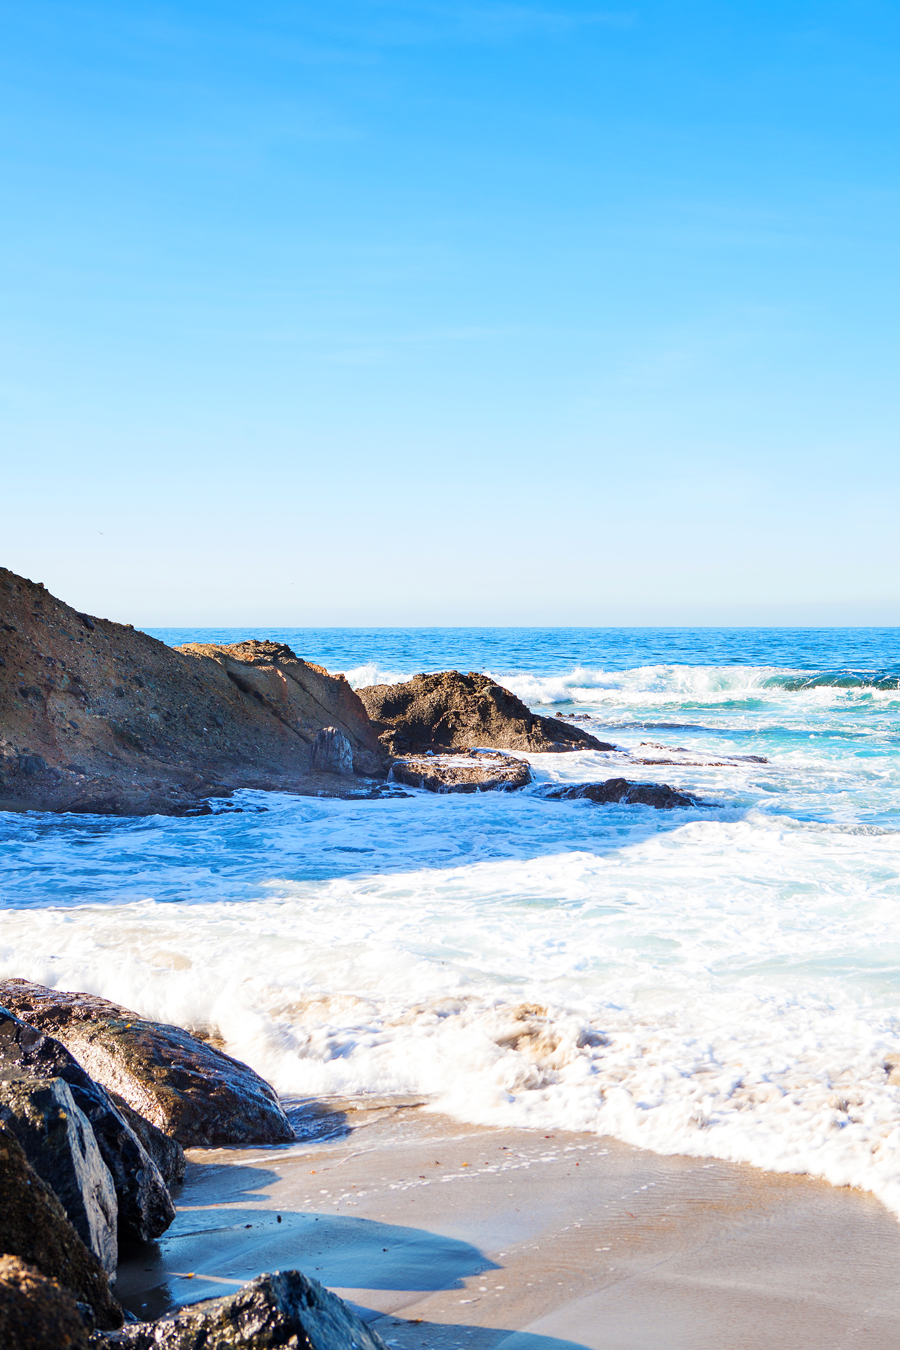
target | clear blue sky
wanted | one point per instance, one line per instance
(440, 313)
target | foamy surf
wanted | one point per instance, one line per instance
(719, 982)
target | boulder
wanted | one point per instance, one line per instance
(332, 752)
(145, 1206)
(98, 716)
(34, 1227)
(452, 711)
(659, 795)
(59, 1143)
(284, 1309)
(185, 1087)
(165, 1151)
(35, 1312)
(484, 772)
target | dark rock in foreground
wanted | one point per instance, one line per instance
(36, 1313)
(59, 1143)
(185, 1087)
(144, 1204)
(487, 772)
(34, 1227)
(285, 1309)
(97, 716)
(452, 711)
(165, 1151)
(659, 795)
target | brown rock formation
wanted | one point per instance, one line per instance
(452, 711)
(463, 773)
(36, 1313)
(184, 1086)
(98, 716)
(34, 1227)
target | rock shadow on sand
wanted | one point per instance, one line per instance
(403, 1334)
(215, 1246)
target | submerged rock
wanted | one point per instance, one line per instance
(452, 711)
(98, 716)
(35, 1312)
(659, 795)
(59, 1143)
(485, 772)
(34, 1227)
(285, 1309)
(145, 1206)
(185, 1087)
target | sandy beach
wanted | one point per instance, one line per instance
(444, 1235)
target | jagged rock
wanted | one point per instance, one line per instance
(452, 711)
(185, 1087)
(284, 1309)
(100, 717)
(332, 752)
(659, 795)
(145, 1206)
(165, 1151)
(462, 773)
(59, 1143)
(35, 1312)
(33, 1226)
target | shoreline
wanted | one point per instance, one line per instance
(445, 1235)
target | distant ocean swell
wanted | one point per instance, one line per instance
(721, 982)
(586, 684)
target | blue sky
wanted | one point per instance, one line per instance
(452, 313)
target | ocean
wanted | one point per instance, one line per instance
(720, 981)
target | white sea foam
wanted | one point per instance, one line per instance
(720, 982)
(372, 673)
(671, 986)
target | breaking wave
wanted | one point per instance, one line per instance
(718, 982)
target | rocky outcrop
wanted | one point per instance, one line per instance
(182, 1085)
(37, 1313)
(34, 1227)
(165, 1151)
(452, 711)
(97, 716)
(286, 1309)
(659, 795)
(145, 1207)
(59, 1143)
(484, 772)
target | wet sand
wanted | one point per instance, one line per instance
(443, 1236)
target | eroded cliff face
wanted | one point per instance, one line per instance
(98, 716)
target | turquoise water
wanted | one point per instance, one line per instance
(553, 651)
(721, 981)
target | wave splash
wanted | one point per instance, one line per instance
(810, 1093)
(666, 683)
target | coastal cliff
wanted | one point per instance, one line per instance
(98, 716)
